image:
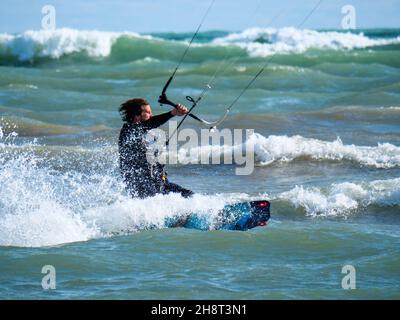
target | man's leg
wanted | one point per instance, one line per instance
(172, 187)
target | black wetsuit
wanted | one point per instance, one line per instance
(142, 178)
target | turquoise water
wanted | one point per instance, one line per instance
(326, 115)
(288, 259)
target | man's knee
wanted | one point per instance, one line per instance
(142, 191)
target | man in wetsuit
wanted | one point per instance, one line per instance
(142, 178)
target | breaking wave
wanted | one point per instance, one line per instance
(272, 149)
(344, 198)
(37, 46)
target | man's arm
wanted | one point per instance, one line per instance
(156, 121)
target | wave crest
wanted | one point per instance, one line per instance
(344, 198)
(262, 42)
(60, 42)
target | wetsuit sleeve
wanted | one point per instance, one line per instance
(156, 121)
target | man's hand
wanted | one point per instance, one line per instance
(180, 110)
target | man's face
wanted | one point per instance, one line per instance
(146, 114)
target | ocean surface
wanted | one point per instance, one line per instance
(326, 120)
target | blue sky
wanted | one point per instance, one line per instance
(184, 15)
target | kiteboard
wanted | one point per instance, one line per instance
(239, 216)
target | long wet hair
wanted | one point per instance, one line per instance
(131, 108)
